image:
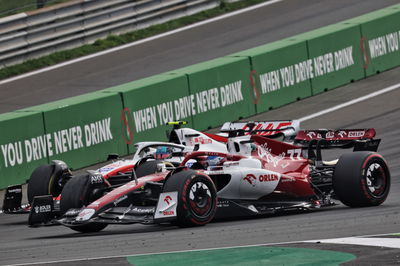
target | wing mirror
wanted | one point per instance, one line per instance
(112, 156)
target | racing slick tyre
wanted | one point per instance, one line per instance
(197, 197)
(361, 179)
(76, 194)
(45, 180)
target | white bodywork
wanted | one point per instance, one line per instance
(248, 179)
(190, 139)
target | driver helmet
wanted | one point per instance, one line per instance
(162, 152)
(213, 160)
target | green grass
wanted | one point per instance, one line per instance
(10, 7)
(116, 40)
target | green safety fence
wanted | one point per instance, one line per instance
(23, 146)
(334, 55)
(151, 102)
(83, 130)
(380, 38)
(220, 91)
(279, 73)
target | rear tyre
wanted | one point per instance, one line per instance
(361, 179)
(197, 197)
(45, 180)
(76, 194)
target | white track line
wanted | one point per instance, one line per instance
(362, 241)
(190, 250)
(231, 14)
(354, 101)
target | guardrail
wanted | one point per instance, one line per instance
(82, 130)
(33, 34)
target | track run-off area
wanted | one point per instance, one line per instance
(243, 240)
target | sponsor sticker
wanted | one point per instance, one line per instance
(266, 153)
(251, 179)
(223, 204)
(15, 190)
(330, 135)
(43, 208)
(72, 212)
(269, 177)
(96, 179)
(166, 206)
(120, 199)
(356, 134)
(105, 169)
(85, 215)
(142, 210)
(201, 140)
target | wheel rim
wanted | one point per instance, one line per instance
(376, 179)
(200, 199)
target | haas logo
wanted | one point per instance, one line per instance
(251, 179)
(167, 199)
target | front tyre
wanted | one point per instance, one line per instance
(361, 179)
(47, 179)
(197, 197)
(76, 194)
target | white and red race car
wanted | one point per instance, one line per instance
(50, 179)
(255, 176)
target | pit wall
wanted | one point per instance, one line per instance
(83, 130)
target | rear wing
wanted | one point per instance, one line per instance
(360, 139)
(271, 129)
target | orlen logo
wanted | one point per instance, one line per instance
(268, 177)
(250, 178)
(356, 134)
(262, 178)
(167, 199)
(168, 213)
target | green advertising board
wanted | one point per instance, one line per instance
(83, 130)
(380, 31)
(152, 102)
(280, 73)
(220, 91)
(24, 146)
(335, 54)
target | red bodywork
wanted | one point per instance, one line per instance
(122, 190)
(274, 155)
(293, 167)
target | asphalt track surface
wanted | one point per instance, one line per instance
(20, 244)
(244, 31)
